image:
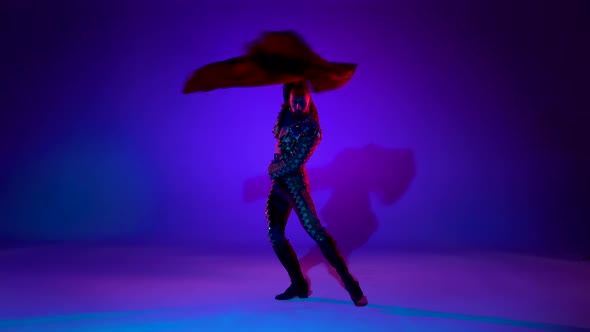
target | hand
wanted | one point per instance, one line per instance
(273, 167)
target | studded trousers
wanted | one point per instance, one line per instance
(288, 194)
(292, 193)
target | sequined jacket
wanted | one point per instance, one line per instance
(296, 145)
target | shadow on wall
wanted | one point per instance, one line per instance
(352, 176)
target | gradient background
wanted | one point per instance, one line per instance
(465, 126)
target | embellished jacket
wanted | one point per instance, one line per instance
(296, 145)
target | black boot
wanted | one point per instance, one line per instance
(299, 286)
(332, 254)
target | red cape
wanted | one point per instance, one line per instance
(274, 58)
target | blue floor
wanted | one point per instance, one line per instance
(143, 289)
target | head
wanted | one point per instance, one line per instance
(299, 99)
(297, 104)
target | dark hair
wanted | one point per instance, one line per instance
(285, 115)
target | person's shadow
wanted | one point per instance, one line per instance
(353, 175)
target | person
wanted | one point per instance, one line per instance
(298, 133)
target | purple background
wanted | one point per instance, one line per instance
(465, 125)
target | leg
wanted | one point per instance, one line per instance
(278, 210)
(300, 197)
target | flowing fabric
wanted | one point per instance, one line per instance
(274, 58)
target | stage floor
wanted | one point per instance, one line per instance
(69, 288)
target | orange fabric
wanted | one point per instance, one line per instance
(274, 58)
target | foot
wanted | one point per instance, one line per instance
(356, 294)
(294, 290)
(360, 301)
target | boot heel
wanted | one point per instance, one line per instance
(304, 295)
(301, 291)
